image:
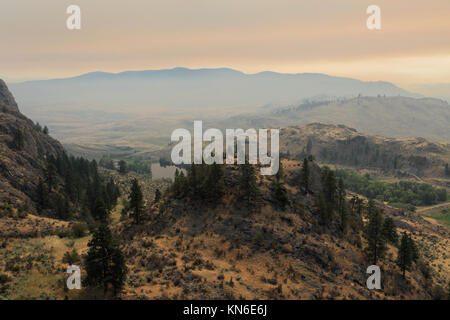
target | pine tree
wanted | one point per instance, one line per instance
(45, 130)
(157, 196)
(405, 254)
(280, 193)
(248, 187)
(390, 231)
(50, 175)
(100, 211)
(376, 243)
(179, 186)
(41, 195)
(325, 211)
(61, 206)
(305, 176)
(136, 201)
(105, 262)
(309, 146)
(18, 140)
(329, 186)
(342, 205)
(123, 167)
(413, 248)
(447, 170)
(280, 174)
(214, 186)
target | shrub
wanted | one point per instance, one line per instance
(79, 230)
(71, 257)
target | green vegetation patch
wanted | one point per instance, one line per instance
(442, 216)
(403, 192)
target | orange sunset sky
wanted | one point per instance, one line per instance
(293, 36)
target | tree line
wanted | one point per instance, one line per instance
(403, 192)
(73, 184)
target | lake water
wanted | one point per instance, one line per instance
(159, 172)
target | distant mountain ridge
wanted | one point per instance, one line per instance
(191, 88)
(398, 117)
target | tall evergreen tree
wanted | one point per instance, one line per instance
(18, 139)
(214, 185)
(123, 167)
(342, 205)
(41, 195)
(105, 262)
(309, 145)
(100, 211)
(50, 176)
(414, 249)
(405, 254)
(136, 201)
(325, 212)
(280, 174)
(157, 196)
(247, 184)
(376, 242)
(329, 186)
(280, 193)
(305, 176)
(390, 231)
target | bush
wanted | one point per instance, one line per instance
(79, 230)
(71, 257)
(258, 238)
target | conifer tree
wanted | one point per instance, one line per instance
(157, 196)
(413, 248)
(280, 193)
(278, 189)
(18, 139)
(248, 187)
(390, 231)
(42, 195)
(405, 254)
(105, 262)
(342, 206)
(214, 185)
(123, 167)
(45, 131)
(376, 242)
(329, 186)
(309, 145)
(280, 174)
(50, 175)
(99, 211)
(325, 211)
(136, 201)
(305, 176)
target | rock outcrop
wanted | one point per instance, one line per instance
(23, 151)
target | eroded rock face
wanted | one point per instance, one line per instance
(7, 100)
(21, 164)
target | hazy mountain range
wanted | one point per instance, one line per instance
(186, 88)
(141, 108)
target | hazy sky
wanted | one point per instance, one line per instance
(294, 36)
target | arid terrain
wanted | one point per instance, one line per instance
(282, 242)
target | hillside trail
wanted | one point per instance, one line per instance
(445, 205)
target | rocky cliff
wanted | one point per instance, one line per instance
(23, 150)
